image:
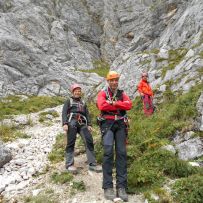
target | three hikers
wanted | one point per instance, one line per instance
(113, 104)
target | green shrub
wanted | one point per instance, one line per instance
(152, 167)
(188, 190)
(142, 176)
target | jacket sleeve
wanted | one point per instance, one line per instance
(102, 103)
(65, 112)
(126, 104)
(87, 115)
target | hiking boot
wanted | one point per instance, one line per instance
(109, 194)
(95, 168)
(122, 194)
(72, 169)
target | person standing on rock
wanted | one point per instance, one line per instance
(146, 94)
(113, 104)
(76, 119)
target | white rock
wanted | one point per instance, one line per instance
(23, 142)
(169, 148)
(190, 53)
(10, 188)
(36, 192)
(194, 164)
(19, 162)
(163, 53)
(2, 187)
(162, 88)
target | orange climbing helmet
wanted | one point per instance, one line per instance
(74, 86)
(112, 75)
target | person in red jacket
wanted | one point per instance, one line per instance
(113, 104)
(146, 94)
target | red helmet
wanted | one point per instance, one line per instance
(145, 74)
(74, 86)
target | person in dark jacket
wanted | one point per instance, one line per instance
(113, 104)
(76, 119)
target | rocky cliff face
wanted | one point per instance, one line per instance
(44, 45)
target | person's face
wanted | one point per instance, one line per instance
(113, 83)
(77, 93)
(145, 78)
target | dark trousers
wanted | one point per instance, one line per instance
(73, 128)
(114, 132)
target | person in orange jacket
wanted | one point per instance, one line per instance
(113, 104)
(146, 94)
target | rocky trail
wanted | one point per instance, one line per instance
(28, 174)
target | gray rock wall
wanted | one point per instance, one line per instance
(45, 44)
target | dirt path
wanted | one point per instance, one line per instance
(94, 191)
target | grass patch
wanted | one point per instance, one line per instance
(187, 190)
(151, 51)
(44, 116)
(57, 154)
(79, 186)
(10, 133)
(201, 54)
(162, 195)
(61, 178)
(14, 105)
(100, 67)
(175, 57)
(47, 196)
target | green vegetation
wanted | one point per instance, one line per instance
(187, 190)
(201, 54)
(47, 196)
(14, 105)
(162, 194)
(43, 115)
(150, 166)
(79, 186)
(57, 153)
(61, 178)
(200, 70)
(175, 57)
(9, 133)
(152, 51)
(100, 67)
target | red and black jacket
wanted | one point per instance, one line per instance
(122, 103)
